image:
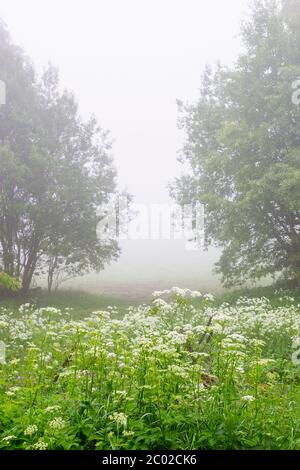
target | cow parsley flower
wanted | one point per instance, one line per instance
(57, 423)
(8, 438)
(40, 445)
(119, 418)
(248, 398)
(30, 430)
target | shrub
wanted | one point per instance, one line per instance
(8, 282)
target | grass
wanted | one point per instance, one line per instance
(84, 303)
(272, 292)
(81, 303)
(177, 374)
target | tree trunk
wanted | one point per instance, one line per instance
(29, 269)
(53, 261)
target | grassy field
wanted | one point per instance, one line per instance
(81, 303)
(184, 372)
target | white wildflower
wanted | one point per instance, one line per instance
(248, 398)
(57, 423)
(119, 418)
(30, 430)
(40, 445)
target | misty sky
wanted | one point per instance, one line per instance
(128, 61)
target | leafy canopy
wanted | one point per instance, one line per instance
(243, 148)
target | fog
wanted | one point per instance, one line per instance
(128, 62)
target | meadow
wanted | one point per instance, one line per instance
(185, 371)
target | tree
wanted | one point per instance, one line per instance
(55, 171)
(243, 148)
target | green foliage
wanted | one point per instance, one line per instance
(166, 376)
(244, 151)
(273, 293)
(9, 283)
